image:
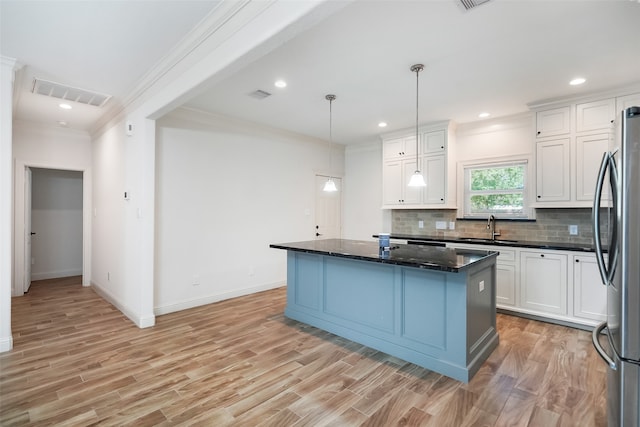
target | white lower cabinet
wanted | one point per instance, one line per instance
(505, 284)
(543, 276)
(590, 295)
(561, 286)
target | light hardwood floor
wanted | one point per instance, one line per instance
(79, 361)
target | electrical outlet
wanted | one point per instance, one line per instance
(573, 230)
(481, 286)
(420, 224)
(452, 225)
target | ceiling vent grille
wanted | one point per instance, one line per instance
(57, 90)
(470, 4)
(260, 94)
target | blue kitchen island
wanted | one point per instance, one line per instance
(431, 306)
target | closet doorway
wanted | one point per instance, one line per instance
(53, 224)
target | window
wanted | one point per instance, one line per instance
(496, 189)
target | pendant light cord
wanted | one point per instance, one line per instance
(418, 69)
(330, 98)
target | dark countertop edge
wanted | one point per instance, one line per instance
(424, 266)
(574, 247)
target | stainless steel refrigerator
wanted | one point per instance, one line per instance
(620, 270)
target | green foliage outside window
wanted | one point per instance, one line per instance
(503, 178)
(496, 190)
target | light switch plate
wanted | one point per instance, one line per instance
(573, 230)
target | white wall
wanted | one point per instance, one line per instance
(7, 74)
(56, 218)
(363, 216)
(499, 137)
(50, 148)
(225, 190)
(121, 249)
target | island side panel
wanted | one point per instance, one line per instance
(482, 334)
(414, 305)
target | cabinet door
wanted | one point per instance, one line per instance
(553, 170)
(393, 148)
(596, 115)
(392, 176)
(433, 142)
(395, 183)
(553, 122)
(435, 175)
(505, 284)
(589, 151)
(589, 294)
(624, 102)
(399, 148)
(411, 195)
(543, 282)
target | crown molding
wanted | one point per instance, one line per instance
(222, 17)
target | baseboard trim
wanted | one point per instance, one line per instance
(56, 274)
(6, 344)
(210, 299)
(140, 321)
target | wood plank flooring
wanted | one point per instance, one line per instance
(78, 361)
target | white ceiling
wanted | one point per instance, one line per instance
(105, 46)
(497, 57)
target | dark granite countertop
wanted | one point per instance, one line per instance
(427, 257)
(578, 247)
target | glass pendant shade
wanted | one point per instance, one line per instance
(330, 186)
(417, 180)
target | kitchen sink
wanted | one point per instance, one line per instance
(485, 241)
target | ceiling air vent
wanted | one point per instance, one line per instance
(260, 94)
(57, 90)
(470, 4)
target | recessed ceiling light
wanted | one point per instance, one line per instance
(280, 83)
(484, 115)
(382, 124)
(577, 81)
(65, 106)
(63, 123)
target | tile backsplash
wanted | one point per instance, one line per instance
(551, 225)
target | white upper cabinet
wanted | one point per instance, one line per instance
(569, 142)
(553, 167)
(436, 163)
(595, 116)
(589, 152)
(553, 122)
(624, 102)
(400, 148)
(434, 142)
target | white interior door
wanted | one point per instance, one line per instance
(328, 215)
(27, 229)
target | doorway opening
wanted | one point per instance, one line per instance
(328, 212)
(53, 224)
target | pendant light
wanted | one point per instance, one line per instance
(330, 185)
(417, 180)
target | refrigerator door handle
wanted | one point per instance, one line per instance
(597, 198)
(596, 343)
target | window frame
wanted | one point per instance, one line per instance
(464, 194)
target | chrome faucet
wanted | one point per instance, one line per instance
(491, 225)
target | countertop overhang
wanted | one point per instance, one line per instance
(425, 257)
